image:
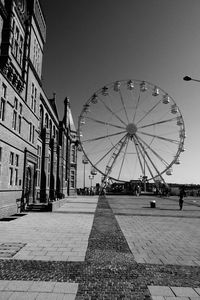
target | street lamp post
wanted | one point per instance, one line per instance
(91, 177)
(85, 162)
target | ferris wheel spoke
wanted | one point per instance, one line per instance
(114, 146)
(112, 112)
(159, 122)
(138, 100)
(145, 162)
(153, 151)
(160, 137)
(104, 123)
(122, 101)
(138, 155)
(148, 112)
(149, 158)
(103, 137)
(114, 157)
(123, 157)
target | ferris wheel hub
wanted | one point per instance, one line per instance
(131, 128)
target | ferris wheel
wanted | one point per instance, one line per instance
(132, 129)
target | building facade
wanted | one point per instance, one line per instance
(38, 160)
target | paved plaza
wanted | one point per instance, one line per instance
(110, 248)
(164, 235)
(58, 236)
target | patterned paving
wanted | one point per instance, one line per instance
(59, 236)
(163, 235)
(31, 290)
(137, 253)
(174, 293)
(162, 240)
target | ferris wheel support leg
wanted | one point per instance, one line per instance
(104, 184)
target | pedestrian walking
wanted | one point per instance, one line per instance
(137, 190)
(182, 194)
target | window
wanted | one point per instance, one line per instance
(41, 118)
(13, 169)
(36, 56)
(17, 116)
(16, 176)
(17, 44)
(11, 158)
(14, 122)
(2, 109)
(32, 95)
(3, 102)
(49, 170)
(46, 121)
(4, 90)
(20, 54)
(10, 176)
(72, 179)
(50, 128)
(73, 153)
(31, 133)
(35, 100)
(39, 154)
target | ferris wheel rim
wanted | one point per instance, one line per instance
(88, 102)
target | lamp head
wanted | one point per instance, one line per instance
(187, 78)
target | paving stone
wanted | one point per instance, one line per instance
(184, 291)
(176, 298)
(64, 287)
(3, 284)
(5, 295)
(41, 287)
(160, 291)
(197, 290)
(16, 285)
(23, 296)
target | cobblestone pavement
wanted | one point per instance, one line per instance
(107, 265)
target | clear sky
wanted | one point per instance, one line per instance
(91, 43)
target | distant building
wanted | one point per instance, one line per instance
(38, 160)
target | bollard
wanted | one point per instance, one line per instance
(153, 204)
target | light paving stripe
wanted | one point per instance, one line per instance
(39, 290)
(174, 293)
(57, 236)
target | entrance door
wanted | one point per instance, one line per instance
(29, 180)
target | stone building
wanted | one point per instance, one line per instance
(37, 151)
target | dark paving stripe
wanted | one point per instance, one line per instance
(113, 272)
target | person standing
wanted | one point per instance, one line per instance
(182, 194)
